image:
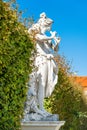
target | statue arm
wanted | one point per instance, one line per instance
(43, 37)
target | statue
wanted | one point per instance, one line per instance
(44, 77)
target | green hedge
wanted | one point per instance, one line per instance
(15, 65)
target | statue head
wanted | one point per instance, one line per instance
(45, 22)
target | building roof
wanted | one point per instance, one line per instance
(82, 80)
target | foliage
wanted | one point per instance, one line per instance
(15, 65)
(66, 100)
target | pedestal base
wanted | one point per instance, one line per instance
(42, 125)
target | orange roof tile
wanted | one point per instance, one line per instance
(82, 80)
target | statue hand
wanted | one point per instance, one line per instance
(49, 56)
(53, 34)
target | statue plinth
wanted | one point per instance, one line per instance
(42, 125)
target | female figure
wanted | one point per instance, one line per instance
(44, 78)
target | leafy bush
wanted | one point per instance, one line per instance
(15, 65)
(66, 100)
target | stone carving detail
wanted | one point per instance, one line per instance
(45, 75)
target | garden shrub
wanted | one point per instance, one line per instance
(15, 65)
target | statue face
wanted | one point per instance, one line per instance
(48, 28)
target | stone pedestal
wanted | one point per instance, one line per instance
(42, 125)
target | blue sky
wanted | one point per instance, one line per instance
(70, 21)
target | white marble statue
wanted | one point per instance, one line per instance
(45, 74)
